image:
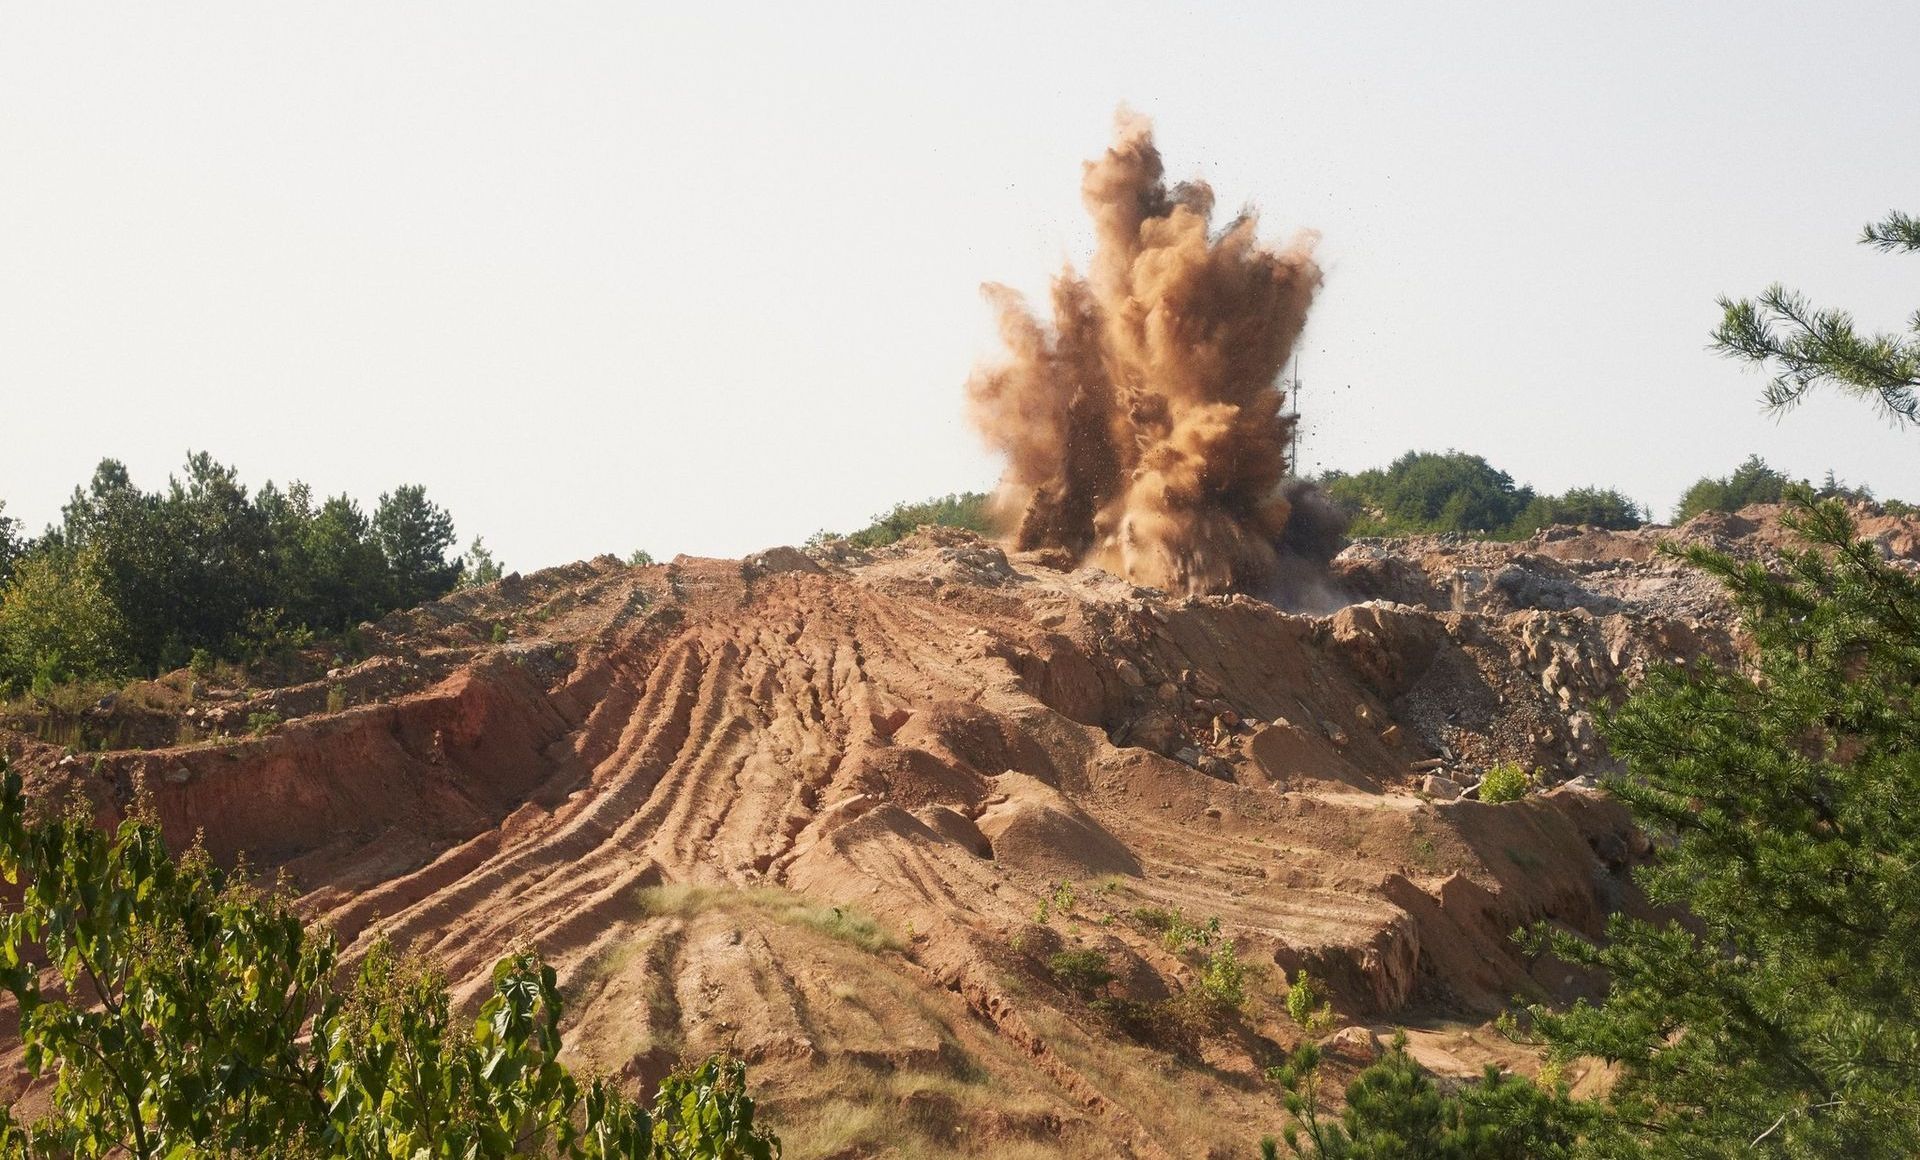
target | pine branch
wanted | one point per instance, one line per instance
(1812, 348)
(1899, 233)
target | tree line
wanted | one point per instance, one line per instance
(136, 582)
(1428, 492)
(1453, 491)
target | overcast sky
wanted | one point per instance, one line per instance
(704, 278)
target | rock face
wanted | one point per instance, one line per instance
(835, 814)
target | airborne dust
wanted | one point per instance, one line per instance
(1143, 427)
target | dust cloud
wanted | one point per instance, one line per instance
(1143, 426)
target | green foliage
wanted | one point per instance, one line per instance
(1223, 978)
(10, 542)
(1808, 348)
(1158, 919)
(1395, 1112)
(153, 579)
(640, 558)
(1307, 1003)
(704, 1113)
(478, 566)
(1085, 972)
(1505, 782)
(1833, 487)
(967, 510)
(1425, 491)
(57, 622)
(1752, 482)
(335, 573)
(262, 723)
(414, 534)
(1176, 933)
(218, 1029)
(1755, 482)
(1579, 507)
(1780, 1019)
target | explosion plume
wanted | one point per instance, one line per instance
(1143, 428)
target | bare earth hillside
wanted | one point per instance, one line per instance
(837, 815)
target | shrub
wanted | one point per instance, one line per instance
(479, 566)
(219, 1030)
(58, 623)
(1424, 491)
(1084, 972)
(262, 723)
(1394, 1109)
(1157, 919)
(959, 510)
(1182, 935)
(1505, 782)
(1139, 1018)
(1224, 978)
(1751, 482)
(1307, 1003)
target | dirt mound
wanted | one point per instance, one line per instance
(837, 815)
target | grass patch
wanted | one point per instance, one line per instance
(843, 923)
(910, 1113)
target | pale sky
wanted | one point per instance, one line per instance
(704, 278)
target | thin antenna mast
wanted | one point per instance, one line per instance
(1293, 453)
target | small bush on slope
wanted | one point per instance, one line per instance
(1505, 782)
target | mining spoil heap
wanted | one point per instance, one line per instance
(816, 810)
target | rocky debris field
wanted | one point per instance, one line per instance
(967, 853)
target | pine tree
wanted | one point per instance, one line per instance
(1778, 1017)
(414, 533)
(1775, 1013)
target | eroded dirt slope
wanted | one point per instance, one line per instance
(838, 815)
